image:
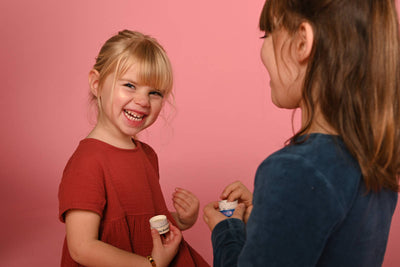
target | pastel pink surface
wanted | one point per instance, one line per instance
(223, 124)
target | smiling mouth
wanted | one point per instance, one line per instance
(133, 116)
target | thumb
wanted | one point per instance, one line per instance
(156, 238)
(239, 211)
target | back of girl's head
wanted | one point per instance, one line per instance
(353, 76)
(126, 48)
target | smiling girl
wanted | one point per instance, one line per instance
(110, 186)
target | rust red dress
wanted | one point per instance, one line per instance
(122, 186)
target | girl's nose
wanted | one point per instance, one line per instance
(142, 99)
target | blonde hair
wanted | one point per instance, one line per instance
(354, 71)
(130, 47)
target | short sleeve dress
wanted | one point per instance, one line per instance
(122, 186)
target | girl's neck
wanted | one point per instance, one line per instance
(319, 124)
(318, 127)
(102, 134)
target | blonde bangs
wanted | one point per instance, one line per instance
(152, 66)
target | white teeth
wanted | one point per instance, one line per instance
(133, 116)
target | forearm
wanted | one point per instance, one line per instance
(100, 254)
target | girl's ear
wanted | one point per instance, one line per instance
(94, 82)
(304, 42)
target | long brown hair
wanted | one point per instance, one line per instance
(353, 76)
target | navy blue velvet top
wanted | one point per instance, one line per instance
(310, 209)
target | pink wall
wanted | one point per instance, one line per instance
(223, 127)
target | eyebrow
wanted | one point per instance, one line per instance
(122, 79)
(128, 80)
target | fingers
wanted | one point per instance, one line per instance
(175, 233)
(212, 206)
(231, 188)
(212, 216)
(234, 195)
(187, 207)
(181, 204)
(185, 195)
(173, 228)
(185, 199)
(164, 252)
(239, 211)
(237, 190)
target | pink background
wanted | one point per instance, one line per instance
(223, 126)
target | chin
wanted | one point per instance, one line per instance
(285, 105)
(277, 103)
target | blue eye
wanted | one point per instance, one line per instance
(130, 85)
(157, 93)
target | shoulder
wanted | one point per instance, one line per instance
(323, 156)
(146, 148)
(83, 184)
(320, 166)
(151, 155)
(84, 169)
(289, 170)
(88, 155)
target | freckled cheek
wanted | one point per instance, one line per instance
(123, 95)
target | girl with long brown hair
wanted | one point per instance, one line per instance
(327, 198)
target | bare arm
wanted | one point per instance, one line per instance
(82, 236)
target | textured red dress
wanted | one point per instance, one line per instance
(122, 186)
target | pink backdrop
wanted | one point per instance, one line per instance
(223, 126)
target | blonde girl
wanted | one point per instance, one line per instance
(110, 186)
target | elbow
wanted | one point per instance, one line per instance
(77, 252)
